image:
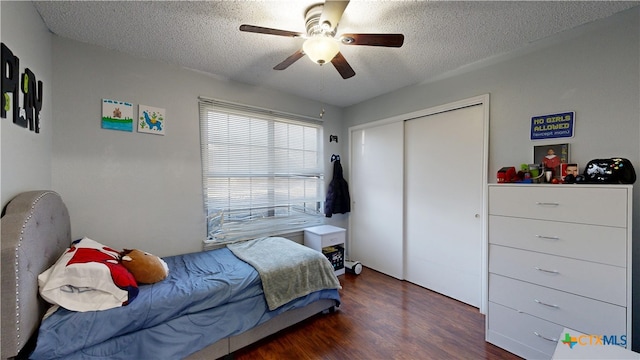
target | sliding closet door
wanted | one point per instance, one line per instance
(444, 200)
(376, 179)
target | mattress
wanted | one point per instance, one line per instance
(208, 296)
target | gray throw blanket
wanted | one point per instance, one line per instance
(288, 270)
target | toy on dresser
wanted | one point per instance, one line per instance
(507, 174)
(610, 171)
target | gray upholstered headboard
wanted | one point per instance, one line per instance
(35, 231)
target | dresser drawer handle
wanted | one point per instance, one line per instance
(547, 203)
(545, 304)
(547, 271)
(547, 237)
(544, 337)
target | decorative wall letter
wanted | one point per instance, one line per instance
(10, 70)
(32, 100)
(31, 90)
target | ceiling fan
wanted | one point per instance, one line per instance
(321, 44)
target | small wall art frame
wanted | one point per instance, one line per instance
(117, 115)
(151, 120)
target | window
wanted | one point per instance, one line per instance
(262, 171)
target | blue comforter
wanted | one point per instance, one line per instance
(208, 296)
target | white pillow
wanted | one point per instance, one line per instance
(88, 277)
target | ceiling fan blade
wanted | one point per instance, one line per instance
(389, 40)
(343, 67)
(290, 60)
(269, 31)
(332, 13)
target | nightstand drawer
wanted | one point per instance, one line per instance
(573, 311)
(321, 236)
(594, 280)
(579, 241)
(580, 204)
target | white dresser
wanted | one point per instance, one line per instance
(559, 257)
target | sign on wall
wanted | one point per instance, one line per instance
(552, 126)
(11, 80)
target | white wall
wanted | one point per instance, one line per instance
(595, 74)
(138, 190)
(594, 71)
(25, 158)
(129, 189)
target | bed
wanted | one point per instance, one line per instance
(230, 302)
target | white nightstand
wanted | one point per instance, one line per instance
(330, 241)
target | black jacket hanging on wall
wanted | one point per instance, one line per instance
(338, 200)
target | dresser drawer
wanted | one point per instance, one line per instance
(598, 281)
(597, 205)
(572, 311)
(603, 244)
(532, 337)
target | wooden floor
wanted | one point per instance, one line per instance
(383, 318)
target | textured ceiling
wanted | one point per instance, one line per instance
(440, 37)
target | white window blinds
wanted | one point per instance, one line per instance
(262, 171)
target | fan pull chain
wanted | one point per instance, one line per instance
(322, 111)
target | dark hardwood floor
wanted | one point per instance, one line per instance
(383, 318)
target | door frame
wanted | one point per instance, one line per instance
(476, 100)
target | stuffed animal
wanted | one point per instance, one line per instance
(145, 268)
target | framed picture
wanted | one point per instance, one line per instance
(151, 120)
(551, 156)
(117, 115)
(569, 169)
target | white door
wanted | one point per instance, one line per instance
(376, 178)
(444, 163)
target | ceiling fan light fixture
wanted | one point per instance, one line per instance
(321, 49)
